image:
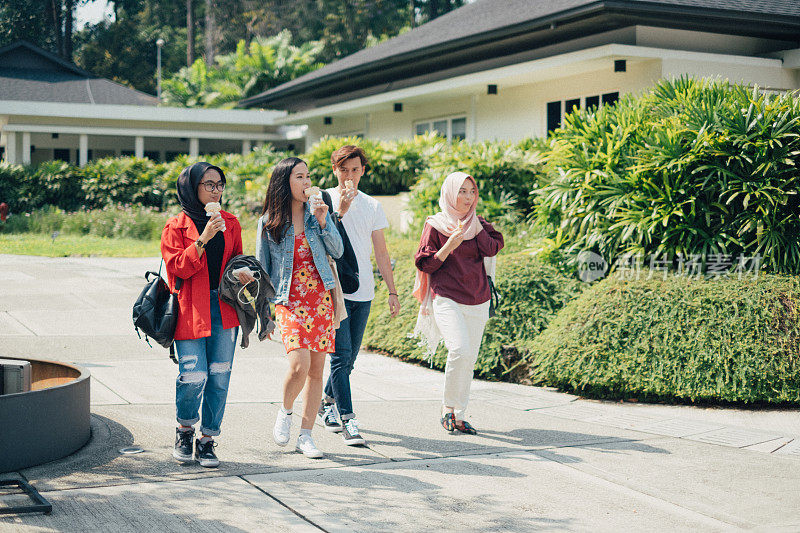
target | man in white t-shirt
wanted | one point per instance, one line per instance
(364, 221)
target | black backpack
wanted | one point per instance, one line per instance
(347, 265)
(155, 311)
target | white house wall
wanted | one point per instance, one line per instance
(766, 77)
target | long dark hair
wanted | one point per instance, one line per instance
(278, 201)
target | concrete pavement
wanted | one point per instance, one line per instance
(543, 460)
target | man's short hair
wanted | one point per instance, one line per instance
(348, 152)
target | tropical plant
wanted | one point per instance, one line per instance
(251, 69)
(693, 168)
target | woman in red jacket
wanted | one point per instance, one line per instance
(453, 291)
(196, 246)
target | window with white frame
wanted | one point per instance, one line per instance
(452, 128)
(556, 111)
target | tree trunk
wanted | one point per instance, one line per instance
(55, 8)
(69, 8)
(189, 33)
(210, 29)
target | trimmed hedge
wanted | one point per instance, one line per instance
(726, 340)
(507, 175)
(533, 292)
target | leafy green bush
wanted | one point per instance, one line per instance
(533, 292)
(507, 176)
(680, 338)
(253, 68)
(692, 167)
(394, 165)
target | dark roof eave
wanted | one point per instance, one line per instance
(790, 26)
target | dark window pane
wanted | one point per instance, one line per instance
(126, 153)
(61, 154)
(610, 98)
(571, 105)
(151, 155)
(422, 128)
(592, 102)
(459, 128)
(440, 127)
(553, 115)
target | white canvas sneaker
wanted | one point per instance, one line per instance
(283, 426)
(305, 444)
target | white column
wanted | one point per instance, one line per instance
(11, 147)
(473, 119)
(194, 147)
(83, 149)
(138, 147)
(246, 147)
(26, 148)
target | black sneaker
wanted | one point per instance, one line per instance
(329, 416)
(350, 433)
(183, 446)
(205, 453)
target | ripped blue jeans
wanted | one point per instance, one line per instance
(204, 374)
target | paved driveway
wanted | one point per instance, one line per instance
(543, 461)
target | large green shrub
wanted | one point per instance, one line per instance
(507, 175)
(394, 165)
(722, 339)
(533, 292)
(692, 167)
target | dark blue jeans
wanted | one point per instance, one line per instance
(348, 343)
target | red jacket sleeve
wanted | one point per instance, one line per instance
(430, 243)
(238, 249)
(181, 261)
(489, 241)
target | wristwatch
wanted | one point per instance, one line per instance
(200, 244)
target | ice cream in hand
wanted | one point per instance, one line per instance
(348, 185)
(213, 208)
(312, 191)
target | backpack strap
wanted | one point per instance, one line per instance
(326, 197)
(178, 281)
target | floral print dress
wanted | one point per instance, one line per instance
(306, 321)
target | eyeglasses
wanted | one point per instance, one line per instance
(210, 186)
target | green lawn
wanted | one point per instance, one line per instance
(75, 245)
(87, 245)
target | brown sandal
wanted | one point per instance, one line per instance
(449, 422)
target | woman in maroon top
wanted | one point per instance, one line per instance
(453, 291)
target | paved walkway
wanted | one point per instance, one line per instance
(543, 460)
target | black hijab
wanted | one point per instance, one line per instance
(187, 191)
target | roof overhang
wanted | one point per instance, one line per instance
(133, 113)
(536, 71)
(584, 20)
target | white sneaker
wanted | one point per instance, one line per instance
(283, 426)
(350, 433)
(306, 445)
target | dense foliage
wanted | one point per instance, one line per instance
(693, 167)
(251, 69)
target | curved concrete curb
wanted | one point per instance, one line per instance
(47, 423)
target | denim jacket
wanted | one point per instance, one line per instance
(278, 257)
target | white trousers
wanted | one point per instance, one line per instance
(462, 330)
